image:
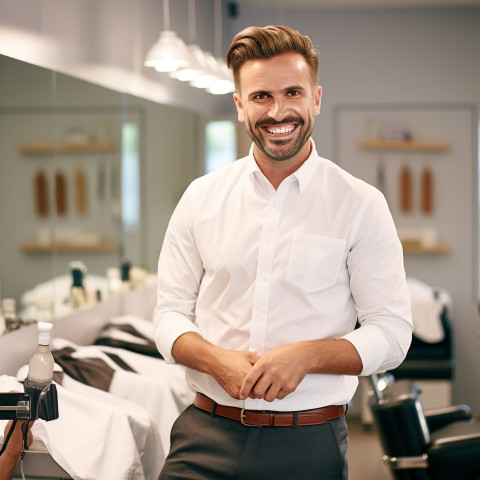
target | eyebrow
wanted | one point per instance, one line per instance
(286, 89)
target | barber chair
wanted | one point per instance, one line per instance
(441, 444)
(429, 361)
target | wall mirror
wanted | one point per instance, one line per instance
(86, 173)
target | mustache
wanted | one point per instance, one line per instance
(271, 121)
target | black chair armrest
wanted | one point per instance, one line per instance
(454, 452)
(441, 417)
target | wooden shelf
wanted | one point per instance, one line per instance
(66, 147)
(404, 145)
(69, 247)
(417, 248)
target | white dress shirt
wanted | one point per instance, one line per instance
(249, 267)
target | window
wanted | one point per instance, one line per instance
(220, 144)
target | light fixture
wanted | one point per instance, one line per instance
(224, 83)
(210, 73)
(195, 66)
(169, 53)
(196, 60)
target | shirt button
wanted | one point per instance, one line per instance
(269, 241)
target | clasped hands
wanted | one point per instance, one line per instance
(272, 375)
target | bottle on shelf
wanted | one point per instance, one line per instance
(114, 282)
(125, 276)
(40, 366)
(78, 294)
(3, 326)
(10, 314)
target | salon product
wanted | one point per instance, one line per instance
(114, 282)
(405, 181)
(60, 193)
(10, 314)
(41, 194)
(80, 192)
(40, 366)
(125, 276)
(427, 191)
(78, 294)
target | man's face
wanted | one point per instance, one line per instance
(277, 103)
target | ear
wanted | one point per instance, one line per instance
(238, 104)
(317, 99)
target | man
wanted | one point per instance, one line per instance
(266, 266)
(13, 450)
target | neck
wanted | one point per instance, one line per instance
(276, 171)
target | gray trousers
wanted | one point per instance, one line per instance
(210, 447)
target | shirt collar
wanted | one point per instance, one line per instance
(303, 175)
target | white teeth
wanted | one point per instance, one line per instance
(277, 130)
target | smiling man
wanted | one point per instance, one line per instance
(265, 269)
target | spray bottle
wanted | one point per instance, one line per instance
(40, 367)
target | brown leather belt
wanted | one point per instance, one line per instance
(254, 418)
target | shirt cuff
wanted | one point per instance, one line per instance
(372, 346)
(167, 329)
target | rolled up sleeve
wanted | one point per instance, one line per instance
(379, 288)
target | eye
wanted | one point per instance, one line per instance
(260, 96)
(294, 92)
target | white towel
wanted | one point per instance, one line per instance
(427, 310)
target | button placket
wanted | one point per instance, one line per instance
(264, 271)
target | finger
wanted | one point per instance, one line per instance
(248, 383)
(272, 393)
(262, 386)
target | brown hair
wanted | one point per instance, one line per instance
(265, 42)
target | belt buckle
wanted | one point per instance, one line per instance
(242, 420)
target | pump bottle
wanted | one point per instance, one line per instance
(40, 366)
(78, 295)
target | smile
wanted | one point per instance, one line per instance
(279, 130)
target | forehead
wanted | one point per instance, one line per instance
(276, 73)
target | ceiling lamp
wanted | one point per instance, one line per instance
(195, 66)
(196, 60)
(210, 73)
(224, 82)
(169, 53)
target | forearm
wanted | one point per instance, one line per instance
(335, 356)
(8, 462)
(193, 351)
(9, 459)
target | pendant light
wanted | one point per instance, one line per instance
(210, 73)
(196, 58)
(169, 53)
(223, 81)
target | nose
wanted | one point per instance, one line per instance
(277, 109)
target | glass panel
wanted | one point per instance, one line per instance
(220, 144)
(88, 161)
(26, 183)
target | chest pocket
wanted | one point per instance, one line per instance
(315, 261)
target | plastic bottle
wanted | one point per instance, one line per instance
(125, 276)
(78, 294)
(40, 366)
(10, 314)
(3, 326)
(114, 282)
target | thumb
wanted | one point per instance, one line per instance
(253, 357)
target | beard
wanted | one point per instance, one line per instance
(281, 149)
